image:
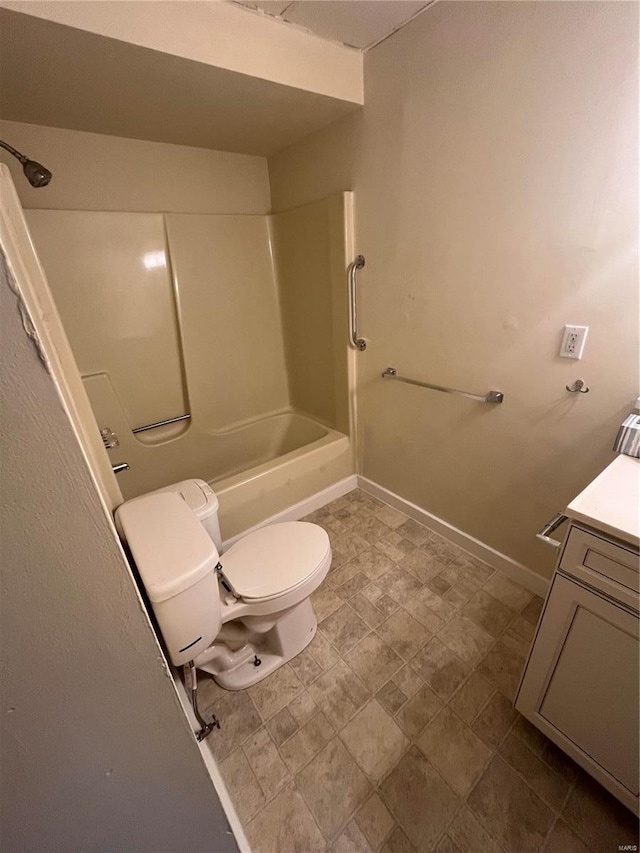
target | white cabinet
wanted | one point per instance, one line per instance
(581, 683)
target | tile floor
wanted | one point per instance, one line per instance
(394, 730)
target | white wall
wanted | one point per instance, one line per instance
(496, 198)
(96, 751)
(92, 171)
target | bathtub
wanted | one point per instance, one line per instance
(257, 468)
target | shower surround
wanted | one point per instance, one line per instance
(240, 321)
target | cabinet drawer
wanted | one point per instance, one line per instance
(601, 559)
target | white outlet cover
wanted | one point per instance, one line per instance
(573, 341)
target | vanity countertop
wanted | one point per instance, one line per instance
(612, 501)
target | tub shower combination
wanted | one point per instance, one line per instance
(211, 346)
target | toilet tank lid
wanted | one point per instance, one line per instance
(171, 549)
(197, 494)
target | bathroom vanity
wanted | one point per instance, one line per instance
(580, 685)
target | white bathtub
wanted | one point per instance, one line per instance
(257, 469)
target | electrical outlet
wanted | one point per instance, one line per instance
(573, 340)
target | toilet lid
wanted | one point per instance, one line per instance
(275, 559)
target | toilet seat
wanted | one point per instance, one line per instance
(276, 559)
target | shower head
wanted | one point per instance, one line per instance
(36, 173)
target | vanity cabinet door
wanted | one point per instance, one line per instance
(580, 686)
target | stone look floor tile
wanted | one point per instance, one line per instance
(333, 786)
(366, 610)
(323, 652)
(508, 592)
(325, 602)
(421, 564)
(419, 799)
(494, 721)
(562, 839)
(391, 517)
(440, 668)
(394, 546)
(503, 667)
(305, 667)
(413, 531)
(446, 845)
(398, 843)
(454, 750)
(351, 841)
(533, 610)
(307, 742)
(238, 715)
(551, 787)
(467, 640)
(285, 824)
(372, 529)
(374, 740)
(471, 697)
(510, 810)
(339, 693)
(372, 563)
(488, 613)
(353, 586)
(274, 692)
(264, 759)
(375, 821)
(598, 818)
(407, 681)
(519, 636)
(374, 661)
(418, 711)
(470, 836)
(303, 708)
(404, 634)
(243, 786)
(391, 697)
(344, 628)
(282, 726)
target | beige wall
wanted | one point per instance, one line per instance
(96, 751)
(92, 171)
(496, 201)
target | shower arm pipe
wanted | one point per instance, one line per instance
(354, 266)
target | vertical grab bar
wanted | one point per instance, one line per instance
(354, 266)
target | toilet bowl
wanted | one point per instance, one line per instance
(238, 615)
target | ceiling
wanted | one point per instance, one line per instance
(60, 76)
(357, 23)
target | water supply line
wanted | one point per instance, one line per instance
(191, 683)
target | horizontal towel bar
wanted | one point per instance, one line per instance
(491, 397)
(162, 423)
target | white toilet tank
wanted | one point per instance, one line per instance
(200, 497)
(176, 560)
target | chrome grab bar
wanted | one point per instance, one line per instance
(491, 397)
(354, 266)
(162, 423)
(119, 467)
(549, 528)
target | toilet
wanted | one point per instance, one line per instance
(240, 615)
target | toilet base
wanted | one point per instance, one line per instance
(291, 634)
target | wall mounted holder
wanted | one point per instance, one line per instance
(577, 387)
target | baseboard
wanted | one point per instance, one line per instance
(302, 508)
(511, 568)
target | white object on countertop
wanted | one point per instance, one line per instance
(611, 501)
